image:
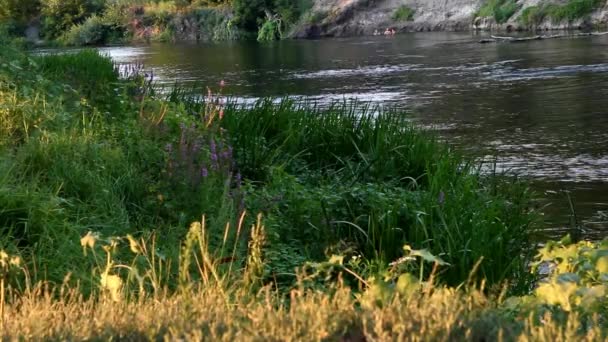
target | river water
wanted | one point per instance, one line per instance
(538, 109)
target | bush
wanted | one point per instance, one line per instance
(403, 13)
(18, 13)
(532, 16)
(60, 15)
(270, 30)
(92, 32)
(501, 10)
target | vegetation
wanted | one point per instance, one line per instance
(95, 22)
(205, 218)
(568, 12)
(403, 13)
(500, 10)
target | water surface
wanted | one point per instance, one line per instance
(539, 109)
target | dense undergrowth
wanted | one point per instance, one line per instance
(98, 22)
(532, 16)
(300, 214)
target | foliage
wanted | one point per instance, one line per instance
(18, 12)
(404, 13)
(371, 180)
(252, 14)
(92, 31)
(500, 10)
(574, 283)
(572, 10)
(270, 30)
(61, 15)
(214, 301)
(216, 24)
(532, 16)
(87, 156)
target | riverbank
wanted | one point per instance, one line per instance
(336, 18)
(334, 220)
(172, 21)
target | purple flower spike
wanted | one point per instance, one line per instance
(204, 172)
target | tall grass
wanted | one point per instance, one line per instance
(349, 174)
(102, 154)
(500, 10)
(353, 203)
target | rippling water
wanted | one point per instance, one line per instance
(539, 109)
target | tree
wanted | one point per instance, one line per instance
(250, 13)
(61, 15)
(19, 12)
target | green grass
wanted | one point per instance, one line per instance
(280, 220)
(350, 175)
(345, 179)
(404, 13)
(570, 11)
(500, 10)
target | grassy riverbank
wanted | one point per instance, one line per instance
(308, 223)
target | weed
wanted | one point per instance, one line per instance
(500, 10)
(403, 13)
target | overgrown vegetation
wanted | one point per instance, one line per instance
(568, 12)
(500, 10)
(403, 13)
(116, 200)
(95, 22)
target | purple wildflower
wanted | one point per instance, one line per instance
(212, 146)
(204, 172)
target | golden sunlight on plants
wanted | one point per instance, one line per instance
(126, 214)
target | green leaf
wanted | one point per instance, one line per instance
(425, 255)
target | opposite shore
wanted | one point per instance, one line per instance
(125, 22)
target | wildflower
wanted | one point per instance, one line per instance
(89, 240)
(222, 84)
(204, 172)
(133, 244)
(113, 284)
(221, 113)
(15, 261)
(227, 154)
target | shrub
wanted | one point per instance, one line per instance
(532, 16)
(270, 30)
(501, 10)
(93, 31)
(403, 13)
(60, 15)
(18, 13)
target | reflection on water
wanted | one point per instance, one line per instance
(539, 109)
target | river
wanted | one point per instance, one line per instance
(538, 109)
